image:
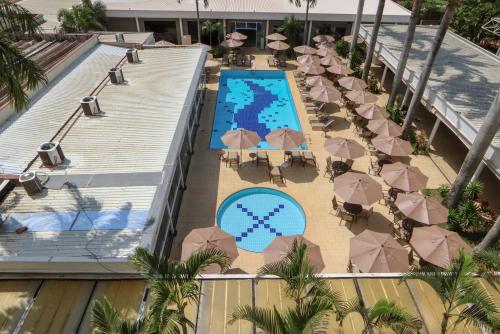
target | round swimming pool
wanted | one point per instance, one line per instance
(256, 216)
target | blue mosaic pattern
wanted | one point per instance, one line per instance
(254, 100)
(256, 216)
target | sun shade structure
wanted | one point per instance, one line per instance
(207, 238)
(344, 148)
(384, 127)
(437, 245)
(276, 37)
(231, 43)
(280, 247)
(374, 252)
(237, 36)
(285, 139)
(348, 39)
(318, 80)
(240, 139)
(327, 94)
(305, 50)
(424, 209)
(307, 60)
(393, 146)
(404, 177)
(357, 188)
(340, 70)
(371, 111)
(324, 51)
(330, 60)
(323, 38)
(361, 97)
(278, 45)
(352, 83)
(313, 69)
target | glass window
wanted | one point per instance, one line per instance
(251, 25)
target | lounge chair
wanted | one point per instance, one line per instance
(271, 62)
(275, 175)
(239, 60)
(248, 60)
(309, 159)
(225, 60)
(262, 158)
(322, 126)
(233, 159)
(296, 157)
(319, 118)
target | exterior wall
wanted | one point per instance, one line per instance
(177, 33)
(121, 24)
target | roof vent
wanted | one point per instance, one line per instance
(119, 37)
(116, 75)
(31, 183)
(90, 105)
(132, 56)
(51, 154)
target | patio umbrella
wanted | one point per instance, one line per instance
(307, 59)
(278, 45)
(330, 60)
(324, 51)
(424, 209)
(393, 146)
(285, 139)
(352, 83)
(374, 252)
(313, 68)
(240, 139)
(276, 37)
(372, 111)
(437, 245)
(384, 127)
(357, 188)
(340, 69)
(361, 97)
(348, 39)
(404, 177)
(344, 148)
(237, 36)
(280, 247)
(207, 238)
(231, 43)
(323, 38)
(318, 80)
(327, 94)
(305, 50)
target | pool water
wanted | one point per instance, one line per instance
(253, 100)
(256, 216)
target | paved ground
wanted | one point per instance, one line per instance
(49, 10)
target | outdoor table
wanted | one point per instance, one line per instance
(352, 208)
(340, 167)
(288, 155)
(252, 156)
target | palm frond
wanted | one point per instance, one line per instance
(200, 260)
(17, 19)
(488, 265)
(265, 319)
(106, 320)
(351, 306)
(152, 265)
(386, 314)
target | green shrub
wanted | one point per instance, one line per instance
(342, 48)
(358, 56)
(395, 114)
(217, 51)
(358, 72)
(443, 190)
(464, 217)
(374, 85)
(473, 190)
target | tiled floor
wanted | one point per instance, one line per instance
(210, 182)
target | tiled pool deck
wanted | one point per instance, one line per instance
(210, 182)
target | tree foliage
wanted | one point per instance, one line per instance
(471, 15)
(83, 17)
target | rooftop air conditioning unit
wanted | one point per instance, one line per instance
(132, 56)
(90, 105)
(51, 154)
(116, 75)
(31, 183)
(119, 37)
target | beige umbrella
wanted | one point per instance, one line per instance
(393, 146)
(374, 252)
(280, 247)
(361, 97)
(384, 127)
(240, 139)
(318, 80)
(324, 51)
(207, 238)
(164, 43)
(372, 111)
(423, 209)
(437, 245)
(344, 148)
(285, 139)
(307, 59)
(330, 60)
(327, 94)
(231, 43)
(305, 50)
(358, 188)
(276, 37)
(237, 36)
(340, 69)
(313, 68)
(278, 45)
(348, 39)
(404, 177)
(323, 38)
(352, 83)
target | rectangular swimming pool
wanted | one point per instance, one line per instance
(253, 100)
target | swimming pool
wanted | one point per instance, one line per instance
(256, 216)
(253, 100)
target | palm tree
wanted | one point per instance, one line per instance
(385, 314)
(373, 40)
(462, 296)
(429, 62)
(355, 32)
(205, 4)
(18, 74)
(476, 153)
(83, 17)
(309, 4)
(491, 238)
(107, 320)
(291, 28)
(410, 35)
(210, 27)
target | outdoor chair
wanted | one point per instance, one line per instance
(365, 214)
(336, 205)
(233, 158)
(225, 60)
(310, 159)
(296, 157)
(319, 118)
(275, 175)
(328, 168)
(322, 126)
(248, 61)
(374, 168)
(239, 60)
(270, 61)
(262, 158)
(345, 216)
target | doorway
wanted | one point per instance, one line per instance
(253, 30)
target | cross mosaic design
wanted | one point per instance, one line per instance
(258, 222)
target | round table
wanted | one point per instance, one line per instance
(353, 208)
(340, 167)
(252, 156)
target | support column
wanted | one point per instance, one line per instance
(267, 27)
(309, 31)
(433, 131)
(137, 25)
(181, 28)
(406, 97)
(478, 171)
(384, 74)
(224, 29)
